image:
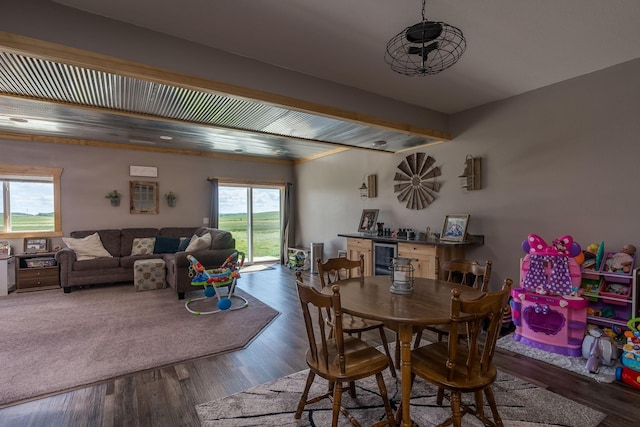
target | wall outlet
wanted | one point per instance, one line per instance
(205, 221)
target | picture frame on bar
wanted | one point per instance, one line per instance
(454, 228)
(368, 220)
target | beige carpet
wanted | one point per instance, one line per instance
(52, 342)
(521, 404)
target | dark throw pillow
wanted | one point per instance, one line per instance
(184, 243)
(166, 245)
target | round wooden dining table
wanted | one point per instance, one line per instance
(428, 304)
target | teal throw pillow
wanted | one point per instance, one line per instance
(166, 245)
(184, 242)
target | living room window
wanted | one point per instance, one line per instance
(30, 201)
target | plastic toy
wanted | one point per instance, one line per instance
(631, 350)
(212, 280)
(620, 262)
(598, 349)
(548, 311)
(551, 269)
(628, 376)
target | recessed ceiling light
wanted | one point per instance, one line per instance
(379, 143)
(166, 137)
(18, 120)
(239, 150)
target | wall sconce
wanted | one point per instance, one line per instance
(471, 178)
(370, 188)
(363, 191)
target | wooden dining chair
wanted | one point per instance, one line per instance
(335, 269)
(335, 356)
(457, 368)
(463, 271)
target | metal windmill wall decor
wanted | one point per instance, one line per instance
(416, 181)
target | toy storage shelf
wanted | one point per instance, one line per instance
(608, 308)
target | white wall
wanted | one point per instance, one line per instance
(558, 160)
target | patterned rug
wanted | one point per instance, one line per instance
(606, 374)
(521, 404)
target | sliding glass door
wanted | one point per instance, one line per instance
(252, 213)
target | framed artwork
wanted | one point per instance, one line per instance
(143, 197)
(149, 171)
(368, 220)
(455, 227)
(32, 246)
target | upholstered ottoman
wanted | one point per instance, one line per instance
(149, 274)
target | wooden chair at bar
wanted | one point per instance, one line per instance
(335, 356)
(457, 368)
(335, 269)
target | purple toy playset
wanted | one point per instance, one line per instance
(548, 311)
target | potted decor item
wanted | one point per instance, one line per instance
(114, 196)
(171, 198)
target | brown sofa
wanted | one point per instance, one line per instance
(119, 243)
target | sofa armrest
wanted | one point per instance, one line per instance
(65, 258)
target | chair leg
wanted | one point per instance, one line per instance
(491, 400)
(305, 395)
(337, 401)
(385, 399)
(479, 403)
(456, 410)
(385, 344)
(352, 389)
(416, 343)
(397, 351)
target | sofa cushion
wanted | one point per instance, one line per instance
(110, 239)
(143, 245)
(88, 247)
(220, 239)
(128, 234)
(199, 243)
(166, 245)
(96, 264)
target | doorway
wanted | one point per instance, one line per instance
(253, 215)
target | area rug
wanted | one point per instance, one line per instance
(255, 267)
(606, 374)
(52, 341)
(274, 404)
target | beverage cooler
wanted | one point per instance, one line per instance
(383, 255)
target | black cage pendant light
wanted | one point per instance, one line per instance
(425, 48)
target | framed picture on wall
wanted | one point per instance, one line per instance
(454, 228)
(368, 220)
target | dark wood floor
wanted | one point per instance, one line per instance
(167, 396)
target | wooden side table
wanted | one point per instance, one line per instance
(32, 275)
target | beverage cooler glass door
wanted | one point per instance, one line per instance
(383, 254)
